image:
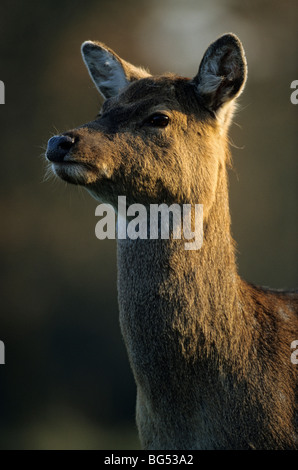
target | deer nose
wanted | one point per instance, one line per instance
(58, 147)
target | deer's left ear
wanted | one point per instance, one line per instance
(222, 73)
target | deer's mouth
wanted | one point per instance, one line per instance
(75, 172)
(69, 163)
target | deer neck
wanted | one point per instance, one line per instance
(189, 297)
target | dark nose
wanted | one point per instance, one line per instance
(58, 147)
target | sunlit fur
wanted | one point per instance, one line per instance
(210, 353)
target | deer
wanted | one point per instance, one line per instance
(209, 351)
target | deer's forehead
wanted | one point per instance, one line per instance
(144, 96)
(161, 85)
(149, 90)
(136, 107)
(148, 93)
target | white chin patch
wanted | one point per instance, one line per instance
(74, 173)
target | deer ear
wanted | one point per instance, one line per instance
(109, 73)
(222, 73)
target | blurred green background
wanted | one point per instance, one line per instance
(67, 383)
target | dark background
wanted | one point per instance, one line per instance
(66, 383)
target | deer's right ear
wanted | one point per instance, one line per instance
(109, 73)
(222, 73)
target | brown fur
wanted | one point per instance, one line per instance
(210, 353)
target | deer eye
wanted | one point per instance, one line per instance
(158, 120)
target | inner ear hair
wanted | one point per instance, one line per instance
(222, 73)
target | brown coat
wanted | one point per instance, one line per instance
(210, 353)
